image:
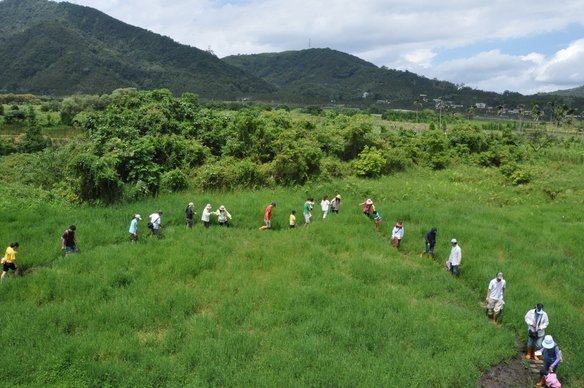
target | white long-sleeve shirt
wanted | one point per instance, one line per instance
(535, 324)
(455, 257)
(397, 233)
(205, 215)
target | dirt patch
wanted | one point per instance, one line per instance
(515, 373)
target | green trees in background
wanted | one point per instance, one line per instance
(139, 143)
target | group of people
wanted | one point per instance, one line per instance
(538, 343)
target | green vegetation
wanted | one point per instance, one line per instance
(51, 48)
(330, 304)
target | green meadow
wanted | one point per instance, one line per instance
(331, 304)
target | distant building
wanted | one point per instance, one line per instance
(365, 94)
(481, 105)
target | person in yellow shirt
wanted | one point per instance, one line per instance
(293, 219)
(9, 260)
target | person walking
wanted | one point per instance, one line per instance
(223, 216)
(206, 215)
(134, 227)
(307, 210)
(430, 240)
(455, 258)
(336, 204)
(537, 320)
(268, 216)
(9, 260)
(377, 219)
(325, 205)
(68, 240)
(190, 214)
(397, 234)
(368, 207)
(154, 224)
(494, 297)
(551, 354)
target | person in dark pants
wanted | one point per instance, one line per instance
(551, 359)
(190, 213)
(430, 240)
(9, 260)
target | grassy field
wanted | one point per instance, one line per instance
(332, 304)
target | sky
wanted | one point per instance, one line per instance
(525, 46)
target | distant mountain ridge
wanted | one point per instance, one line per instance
(62, 48)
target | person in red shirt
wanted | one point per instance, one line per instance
(268, 216)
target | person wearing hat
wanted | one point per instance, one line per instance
(537, 321)
(430, 240)
(154, 223)
(190, 214)
(206, 215)
(336, 203)
(223, 216)
(397, 234)
(368, 207)
(9, 260)
(268, 216)
(455, 258)
(551, 354)
(68, 240)
(494, 297)
(134, 227)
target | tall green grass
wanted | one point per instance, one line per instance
(331, 304)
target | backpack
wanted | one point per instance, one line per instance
(150, 225)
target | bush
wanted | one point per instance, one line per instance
(370, 162)
(173, 180)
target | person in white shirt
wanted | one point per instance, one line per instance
(537, 320)
(154, 224)
(494, 297)
(223, 216)
(397, 234)
(455, 258)
(324, 205)
(206, 214)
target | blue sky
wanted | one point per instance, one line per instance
(527, 46)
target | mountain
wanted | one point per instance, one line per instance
(62, 49)
(316, 75)
(574, 92)
(324, 75)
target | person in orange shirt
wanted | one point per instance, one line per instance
(268, 216)
(9, 260)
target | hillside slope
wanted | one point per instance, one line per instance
(61, 48)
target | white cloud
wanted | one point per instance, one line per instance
(395, 33)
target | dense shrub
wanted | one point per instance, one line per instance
(370, 162)
(173, 180)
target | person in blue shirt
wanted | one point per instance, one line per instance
(551, 358)
(134, 227)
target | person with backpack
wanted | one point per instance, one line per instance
(307, 210)
(206, 215)
(68, 240)
(552, 357)
(537, 320)
(9, 260)
(154, 223)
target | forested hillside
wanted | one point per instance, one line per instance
(62, 49)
